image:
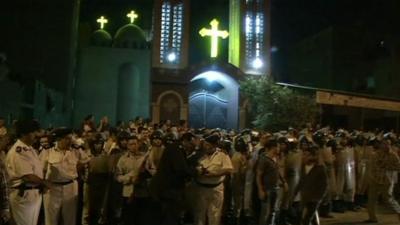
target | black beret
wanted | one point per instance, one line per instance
(24, 127)
(61, 132)
(212, 139)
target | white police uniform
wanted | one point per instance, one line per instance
(23, 160)
(61, 171)
(210, 190)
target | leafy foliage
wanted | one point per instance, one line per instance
(275, 107)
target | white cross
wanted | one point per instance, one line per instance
(102, 21)
(132, 16)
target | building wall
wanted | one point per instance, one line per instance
(97, 90)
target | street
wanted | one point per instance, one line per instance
(385, 217)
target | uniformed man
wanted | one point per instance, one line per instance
(25, 172)
(293, 165)
(213, 167)
(345, 173)
(61, 170)
(326, 158)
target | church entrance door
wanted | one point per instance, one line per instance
(213, 101)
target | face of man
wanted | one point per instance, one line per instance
(133, 145)
(276, 150)
(123, 143)
(44, 142)
(65, 142)
(31, 138)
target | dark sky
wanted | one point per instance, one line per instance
(291, 19)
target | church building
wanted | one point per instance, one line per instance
(156, 72)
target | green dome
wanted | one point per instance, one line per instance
(129, 36)
(101, 38)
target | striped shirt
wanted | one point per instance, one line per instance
(381, 164)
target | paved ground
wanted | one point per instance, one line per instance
(385, 217)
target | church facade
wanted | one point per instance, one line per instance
(149, 72)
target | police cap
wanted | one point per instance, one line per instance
(24, 127)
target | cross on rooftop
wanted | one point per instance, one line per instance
(102, 21)
(132, 16)
(214, 33)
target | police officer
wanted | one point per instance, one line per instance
(345, 173)
(60, 166)
(293, 163)
(25, 172)
(213, 167)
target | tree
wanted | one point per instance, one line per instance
(275, 107)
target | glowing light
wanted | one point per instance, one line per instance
(102, 21)
(214, 33)
(132, 16)
(171, 57)
(257, 63)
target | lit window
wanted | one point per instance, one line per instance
(254, 34)
(171, 33)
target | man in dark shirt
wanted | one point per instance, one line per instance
(313, 185)
(269, 183)
(167, 185)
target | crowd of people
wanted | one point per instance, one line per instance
(151, 174)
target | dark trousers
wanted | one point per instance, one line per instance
(171, 211)
(139, 211)
(309, 213)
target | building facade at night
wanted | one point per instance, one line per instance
(168, 84)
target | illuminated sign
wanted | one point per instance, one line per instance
(214, 33)
(102, 21)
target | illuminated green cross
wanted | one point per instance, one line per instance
(214, 33)
(102, 21)
(132, 16)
